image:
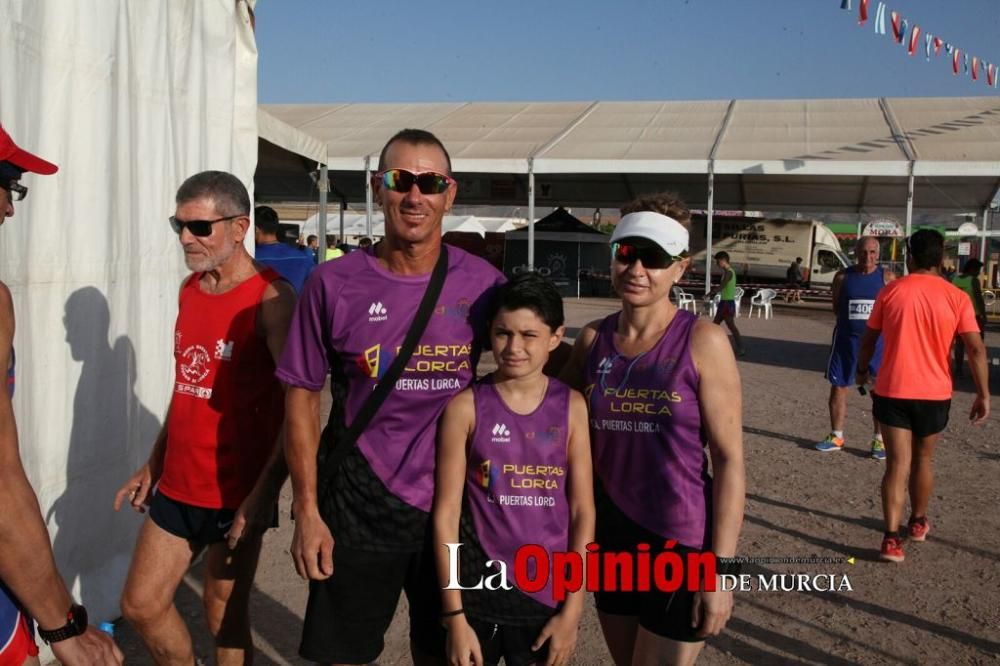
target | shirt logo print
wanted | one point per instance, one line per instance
(604, 367)
(500, 433)
(224, 350)
(377, 312)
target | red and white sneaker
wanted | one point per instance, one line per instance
(918, 528)
(892, 549)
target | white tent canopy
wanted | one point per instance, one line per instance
(829, 154)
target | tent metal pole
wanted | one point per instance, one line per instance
(708, 226)
(578, 270)
(343, 207)
(324, 188)
(531, 214)
(368, 196)
(984, 239)
(909, 216)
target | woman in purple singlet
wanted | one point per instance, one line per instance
(661, 386)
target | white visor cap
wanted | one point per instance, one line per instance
(665, 231)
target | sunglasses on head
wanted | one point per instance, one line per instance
(428, 182)
(200, 228)
(651, 256)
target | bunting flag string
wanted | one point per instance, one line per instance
(862, 12)
(880, 19)
(903, 32)
(914, 36)
(897, 32)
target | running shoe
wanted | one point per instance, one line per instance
(831, 443)
(892, 549)
(878, 449)
(918, 528)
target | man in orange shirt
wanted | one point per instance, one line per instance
(918, 316)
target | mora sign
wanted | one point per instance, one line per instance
(883, 227)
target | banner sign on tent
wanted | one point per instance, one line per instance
(883, 227)
(962, 62)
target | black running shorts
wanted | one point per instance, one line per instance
(923, 417)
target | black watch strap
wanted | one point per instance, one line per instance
(76, 624)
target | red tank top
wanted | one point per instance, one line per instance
(227, 405)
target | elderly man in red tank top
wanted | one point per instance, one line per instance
(216, 468)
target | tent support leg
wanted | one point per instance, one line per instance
(909, 214)
(708, 228)
(531, 215)
(368, 196)
(324, 190)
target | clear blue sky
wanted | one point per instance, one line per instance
(556, 50)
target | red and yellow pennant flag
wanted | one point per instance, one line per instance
(914, 36)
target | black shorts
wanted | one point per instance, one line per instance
(923, 417)
(512, 642)
(348, 613)
(194, 523)
(666, 614)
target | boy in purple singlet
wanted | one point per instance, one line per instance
(513, 468)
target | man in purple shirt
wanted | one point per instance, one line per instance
(363, 534)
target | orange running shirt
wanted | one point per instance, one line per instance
(918, 316)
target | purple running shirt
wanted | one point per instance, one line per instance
(646, 432)
(353, 311)
(517, 477)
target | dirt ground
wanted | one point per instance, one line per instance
(941, 606)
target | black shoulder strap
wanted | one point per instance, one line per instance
(364, 416)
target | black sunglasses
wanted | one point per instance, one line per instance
(200, 228)
(651, 256)
(16, 189)
(428, 182)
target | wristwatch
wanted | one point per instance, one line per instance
(76, 624)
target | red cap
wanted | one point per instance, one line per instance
(22, 159)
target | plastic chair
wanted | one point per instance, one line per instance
(762, 299)
(989, 300)
(685, 301)
(713, 305)
(738, 297)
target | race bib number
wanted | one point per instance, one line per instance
(859, 309)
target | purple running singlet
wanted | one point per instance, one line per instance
(355, 312)
(646, 432)
(517, 476)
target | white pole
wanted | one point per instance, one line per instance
(909, 216)
(984, 239)
(708, 228)
(369, 201)
(531, 214)
(324, 189)
(578, 244)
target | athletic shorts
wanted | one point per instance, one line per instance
(194, 523)
(843, 361)
(18, 640)
(726, 309)
(666, 614)
(348, 614)
(923, 417)
(512, 642)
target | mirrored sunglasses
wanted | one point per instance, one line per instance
(651, 256)
(16, 189)
(428, 182)
(200, 228)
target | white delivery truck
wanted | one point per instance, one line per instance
(761, 249)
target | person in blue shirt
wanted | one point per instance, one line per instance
(293, 264)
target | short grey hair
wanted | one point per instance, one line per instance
(225, 190)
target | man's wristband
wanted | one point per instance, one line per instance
(861, 371)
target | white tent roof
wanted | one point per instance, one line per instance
(860, 150)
